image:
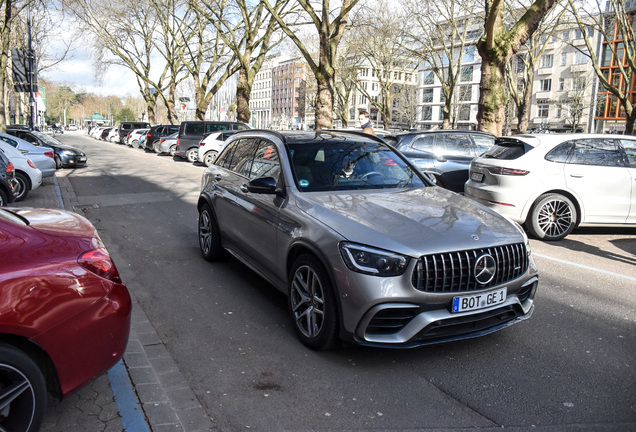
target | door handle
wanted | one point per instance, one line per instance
(577, 175)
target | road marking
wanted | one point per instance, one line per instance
(586, 267)
(132, 418)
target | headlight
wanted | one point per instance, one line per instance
(376, 262)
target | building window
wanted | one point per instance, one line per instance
(521, 65)
(561, 84)
(374, 86)
(578, 83)
(427, 113)
(429, 78)
(547, 60)
(465, 93)
(464, 113)
(469, 54)
(581, 58)
(564, 59)
(466, 74)
(578, 34)
(557, 113)
(543, 110)
(566, 35)
(428, 95)
(545, 85)
(590, 32)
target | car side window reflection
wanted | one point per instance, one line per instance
(600, 152)
(225, 158)
(630, 150)
(455, 144)
(243, 156)
(266, 162)
(560, 153)
(424, 143)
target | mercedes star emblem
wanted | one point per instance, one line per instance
(485, 268)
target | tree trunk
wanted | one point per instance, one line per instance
(522, 118)
(324, 105)
(243, 90)
(491, 115)
(629, 123)
(446, 113)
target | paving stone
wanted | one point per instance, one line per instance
(133, 360)
(160, 413)
(195, 420)
(151, 338)
(183, 399)
(143, 375)
(151, 393)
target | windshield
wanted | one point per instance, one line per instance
(345, 165)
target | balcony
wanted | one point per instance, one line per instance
(578, 42)
(580, 67)
(543, 95)
(545, 71)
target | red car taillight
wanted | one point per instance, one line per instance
(10, 167)
(98, 261)
(49, 154)
(507, 171)
(31, 164)
(201, 143)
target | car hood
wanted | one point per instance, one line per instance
(410, 221)
(65, 147)
(58, 223)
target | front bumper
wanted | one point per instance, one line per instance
(73, 160)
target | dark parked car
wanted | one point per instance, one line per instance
(64, 311)
(8, 185)
(443, 155)
(366, 249)
(66, 156)
(157, 132)
(192, 132)
(126, 127)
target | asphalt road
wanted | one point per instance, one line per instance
(571, 367)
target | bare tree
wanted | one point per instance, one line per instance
(520, 71)
(443, 34)
(246, 30)
(379, 36)
(346, 66)
(117, 42)
(496, 47)
(576, 102)
(407, 106)
(614, 24)
(330, 23)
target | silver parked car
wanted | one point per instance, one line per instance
(366, 249)
(556, 182)
(42, 157)
(167, 144)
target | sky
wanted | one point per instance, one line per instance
(78, 73)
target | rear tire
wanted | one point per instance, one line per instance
(192, 155)
(210, 157)
(209, 235)
(173, 150)
(552, 217)
(24, 186)
(4, 200)
(22, 383)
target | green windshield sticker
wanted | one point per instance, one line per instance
(303, 183)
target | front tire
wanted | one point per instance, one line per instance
(552, 217)
(58, 162)
(209, 235)
(22, 391)
(24, 186)
(312, 304)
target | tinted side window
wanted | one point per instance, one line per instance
(600, 152)
(225, 158)
(266, 163)
(9, 141)
(216, 127)
(630, 150)
(240, 127)
(424, 143)
(242, 159)
(560, 153)
(194, 129)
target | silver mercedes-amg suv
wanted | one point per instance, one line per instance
(366, 249)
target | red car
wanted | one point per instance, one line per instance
(64, 311)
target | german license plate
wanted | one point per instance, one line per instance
(479, 301)
(82, 158)
(476, 176)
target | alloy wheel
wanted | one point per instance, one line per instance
(307, 301)
(555, 217)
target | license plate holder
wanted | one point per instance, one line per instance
(476, 176)
(472, 302)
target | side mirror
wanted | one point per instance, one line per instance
(263, 185)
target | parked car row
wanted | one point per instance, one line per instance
(33, 156)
